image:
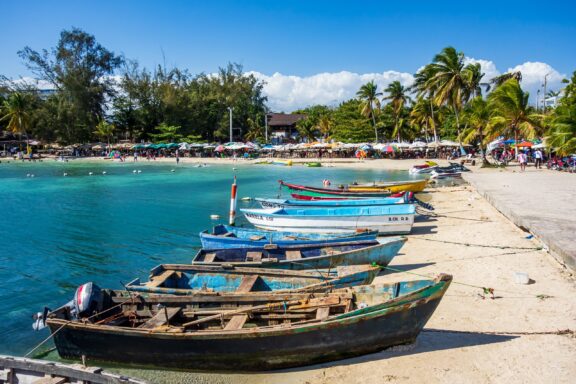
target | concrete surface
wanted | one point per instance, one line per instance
(540, 201)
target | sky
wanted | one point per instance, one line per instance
(307, 52)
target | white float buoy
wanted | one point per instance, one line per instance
(134, 171)
(103, 172)
(139, 171)
(32, 175)
(90, 173)
(65, 174)
(215, 217)
(27, 175)
(172, 170)
(246, 199)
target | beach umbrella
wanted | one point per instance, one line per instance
(219, 148)
(449, 143)
(365, 147)
(524, 144)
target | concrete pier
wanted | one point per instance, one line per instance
(541, 201)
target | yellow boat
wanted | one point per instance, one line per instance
(392, 187)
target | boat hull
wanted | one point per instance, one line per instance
(283, 203)
(246, 350)
(243, 239)
(380, 254)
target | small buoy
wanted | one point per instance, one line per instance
(103, 172)
(214, 217)
(27, 175)
(32, 175)
(246, 199)
(134, 171)
(172, 170)
(65, 174)
(234, 168)
(139, 171)
(90, 173)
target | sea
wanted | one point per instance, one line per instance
(63, 224)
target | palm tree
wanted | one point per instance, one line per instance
(16, 111)
(369, 94)
(561, 136)
(397, 94)
(477, 117)
(499, 80)
(104, 131)
(511, 113)
(473, 83)
(422, 87)
(422, 114)
(449, 80)
(325, 124)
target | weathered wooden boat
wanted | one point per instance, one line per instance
(298, 257)
(241, 333)
(225, 236)
(289, 203)
(187, 279)
(386, 219)
(21, 370)
(359, 190)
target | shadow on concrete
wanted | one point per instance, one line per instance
(404, 268)
(424, 230)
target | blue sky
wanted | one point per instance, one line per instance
(305, 43)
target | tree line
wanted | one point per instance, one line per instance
(100, 95)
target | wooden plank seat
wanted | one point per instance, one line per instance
(257, 237)
(156, 281)
(247, 283)
(293, 255)
(322, 313)
(50, 380)
(253, 256)
(209, 257)
(162, 317)
(236, 322)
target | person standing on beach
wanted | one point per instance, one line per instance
(177, 157)
(522, 159)
(538, 159)
(135, 156)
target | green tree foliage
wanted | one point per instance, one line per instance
(511, 115)
(104, 131)
(370, 103)
(80, 69)
(561, 136)
(350, 125)
(318, 122)
(398, 96)
(167, 134)
(477, 117)
(16, 111)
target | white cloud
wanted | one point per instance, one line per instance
(288, 93)
(30, 81)
(488, 67)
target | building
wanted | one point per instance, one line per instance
(283, 126)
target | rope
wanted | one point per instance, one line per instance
(513, 333)
(485, 290)
(480, 245)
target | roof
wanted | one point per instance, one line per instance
(284, 119)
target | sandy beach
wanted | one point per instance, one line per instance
(523, 334)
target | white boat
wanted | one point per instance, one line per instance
(389, 219)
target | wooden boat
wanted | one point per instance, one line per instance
(299, 257)
(288, 203)
(378, 190)
(314, 164)
(386, 219)
(22, 370)
(225, 236)
(186, 279)
(444, 174)
(249, 332)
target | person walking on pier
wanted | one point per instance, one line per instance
(538, 158)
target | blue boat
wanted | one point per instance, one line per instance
(290, 203)
(187, 279)
(386, 219)
(225, 236)
(298, 257)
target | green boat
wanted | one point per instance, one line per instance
(314, 164)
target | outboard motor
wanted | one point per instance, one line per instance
(87, 299)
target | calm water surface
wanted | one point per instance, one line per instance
(59, 232)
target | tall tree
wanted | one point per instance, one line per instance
(422, 114)
(80, 69)
(368, 95)
(398, 96)
(449, 80)
(511, 114)
(561, 136)
(424, 89)
(477, 116)
(104, 130)
(16, 111)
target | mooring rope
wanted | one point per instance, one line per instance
(567, 331)
(479, 245)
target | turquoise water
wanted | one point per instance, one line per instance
(59, 232)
